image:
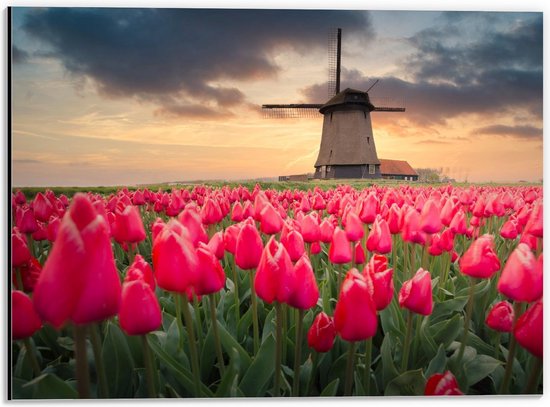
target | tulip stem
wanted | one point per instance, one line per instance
(198, 320)
(192, 345)
(254, 300)
(425, 254)
(446, 264)
(149, 371)
(349, 369)
(131, 253)
(212, 301)
(32, 357)
(497, 345)
(314, 357)
(352, 244)
(298, 352)
(413, 259)
(278, 340)
(394, 253)
(366, 237)
(538, 250)
(103, 388)
(82, 373)
(368, 361)
(30, 244)
(469, 309)
(177, 303)
(19, 279)
(533, 382)
(339, 271)
(406, 257)
(236, 288)
(511, 352)
(407, 343)
(416, 338)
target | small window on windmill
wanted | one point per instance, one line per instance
(372, 169)
(329, 168)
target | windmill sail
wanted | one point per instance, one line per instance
(334, 61)
(291, 111)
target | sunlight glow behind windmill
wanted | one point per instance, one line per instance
(347, 143)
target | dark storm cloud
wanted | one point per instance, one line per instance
(498, 72)
(524, 132)
(18, 55)
(154, 53)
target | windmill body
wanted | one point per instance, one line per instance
(347, 147)
(347, 143)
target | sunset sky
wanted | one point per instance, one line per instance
(133, 96)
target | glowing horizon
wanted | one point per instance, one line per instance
(113, 107)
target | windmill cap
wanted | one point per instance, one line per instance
(348, 99)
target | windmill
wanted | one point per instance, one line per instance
(347, 142)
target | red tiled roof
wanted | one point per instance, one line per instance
(396, 167)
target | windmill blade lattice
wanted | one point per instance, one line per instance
(291, 111)
(334, 61)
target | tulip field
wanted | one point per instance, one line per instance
(246, 291)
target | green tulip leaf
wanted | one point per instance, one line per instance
(258, 376)
(410, 383)
(479, 368)
(331, 389)
(119, 362)
(49, 386)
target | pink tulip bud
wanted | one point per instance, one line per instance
(480, 260)
(430, 218)
(501, 317)
(211, 277)
(230, 238)
(355, 316)
(139, 309)
(306, 292)
(128, 226)
(411, 231)
(327, 230)
(24, 319)
(20, 253)
(379, 240)
(271, 222)
(42, 208)
(79, 281)
(382, 280)
(521, 278)
(211, 212)
(354, 227)
(322, 333)
(340, 250)
(444, 384)
(174, 258)
(248, 248)
(416, 293)
(275, 277)
(140, 269)
(509, 230)
(311, 232)
(216, 245)
(191, 219)
(237, 212)
(528, 329)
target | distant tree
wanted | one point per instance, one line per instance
(430, 174)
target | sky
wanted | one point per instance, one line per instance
(121, 96)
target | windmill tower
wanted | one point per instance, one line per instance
(347, 146)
